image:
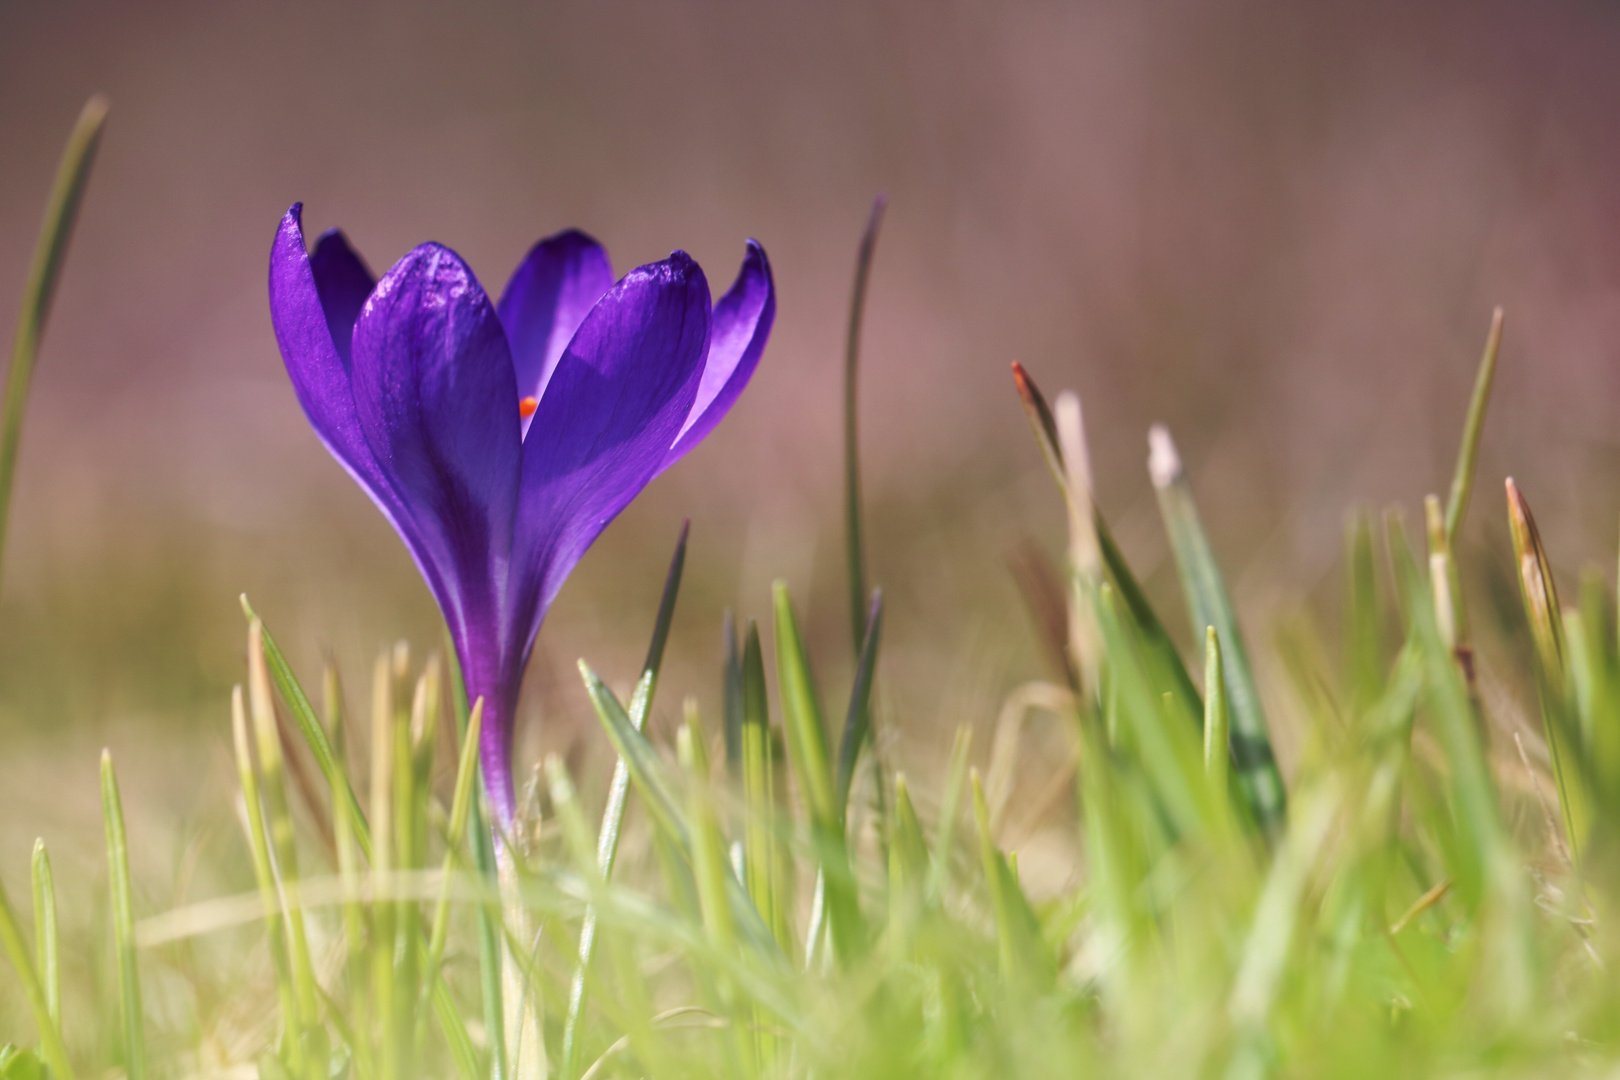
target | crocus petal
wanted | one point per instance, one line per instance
(319, 373)
(618, 397)
(741, 323)
(550, 294)
(437, 402)
(343, 281)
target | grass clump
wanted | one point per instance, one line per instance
(745, 902)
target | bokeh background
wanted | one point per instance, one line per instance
(1278, 227)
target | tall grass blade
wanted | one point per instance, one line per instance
(45, 934)
(1252, 756)
(61, 211)
(854, 541)
(123, 920)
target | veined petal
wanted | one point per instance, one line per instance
(343, 281)
(550, 294)
(437, 402)
(614, 405)
(741, 324)
(319, 373)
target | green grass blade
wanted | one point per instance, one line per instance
(67, 192)
(1257, 774)
(708, 843)
(857, 718)
(802, 716)
(264, 877)
(1169, 673)
(460, 813)
(282, 842)
(488, 931)
(123, 919)
(657, 788)
(1024, 958)
(731, 682)
(309, 726)
(1462, 483)
(45, 934)
(769, 874)
(15, 946)
(854, 541)
(1217, 720)
(1364, 633)
(807, 755)
(642, 763)
(939, 866)
(385, 991)
(1445, 586)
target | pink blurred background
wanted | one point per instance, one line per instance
(1278, 227)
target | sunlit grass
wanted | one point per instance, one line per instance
(1428, 891)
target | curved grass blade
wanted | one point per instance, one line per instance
(67, 192)
(123, 919)
(1257, 774)
(853, 538)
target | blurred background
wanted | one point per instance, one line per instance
(1280, 228)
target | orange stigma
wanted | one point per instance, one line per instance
(527, 406)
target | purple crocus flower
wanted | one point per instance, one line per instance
(501, 438)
